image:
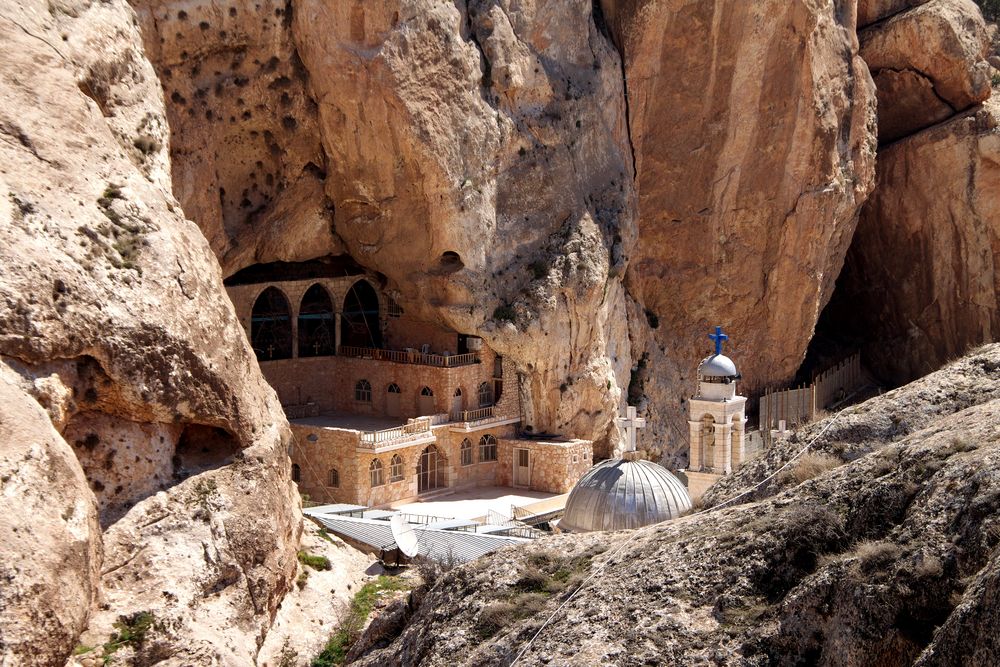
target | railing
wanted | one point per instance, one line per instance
(473, 415)
(410, 356)
(389, 436)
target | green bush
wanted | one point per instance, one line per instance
(130, 630)
(315, 562)
(335, 651)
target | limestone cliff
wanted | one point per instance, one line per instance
(752, 125)
(142, 456)
(887, 557)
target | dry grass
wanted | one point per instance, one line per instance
(812, 464)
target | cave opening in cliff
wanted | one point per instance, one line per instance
(839, 333)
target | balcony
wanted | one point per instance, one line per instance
(414, 432)
(471, 420)
(410, 356)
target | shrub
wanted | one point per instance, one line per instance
(539, 269)
(812, 464)
(335, 651)
(504, 313)
(873, 554)
(315, 562)
(130, 630)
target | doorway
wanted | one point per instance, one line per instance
(425, 403)
(522, 467)
(456, 401)
(392, 400)
(428, 470)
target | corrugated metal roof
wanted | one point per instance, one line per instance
(434, 544)
(337, 508)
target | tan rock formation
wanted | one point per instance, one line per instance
(754, 150)
(922, 279)
(870, 11)
(495, 131)
(113, 319)
(928, 63)
(247, 161)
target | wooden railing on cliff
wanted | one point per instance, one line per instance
(799, 405)
(410, 356)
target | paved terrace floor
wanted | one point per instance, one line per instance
(350, 421)
(475, 502)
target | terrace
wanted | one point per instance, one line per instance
(410, 356)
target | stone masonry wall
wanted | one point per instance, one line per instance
(555, 466)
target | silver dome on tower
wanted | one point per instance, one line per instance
(618, 494)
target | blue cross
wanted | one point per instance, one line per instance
(718, 337)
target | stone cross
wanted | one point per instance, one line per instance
(718, 337)
(630, 423)
(270, 351)
(316, 347)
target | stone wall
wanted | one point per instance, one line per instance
(330, 381)
(332, 448)
(554, 466)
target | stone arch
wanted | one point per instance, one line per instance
(430, 469)
(271, 326)
(487, 448)
(316, 327)
(375, 476)
(485, 395)
(363, 391)
(466, 452)
(360, 323)
(396, 468)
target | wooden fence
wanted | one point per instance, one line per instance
(801, 404)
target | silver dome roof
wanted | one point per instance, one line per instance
(617, 494)
(717, 365)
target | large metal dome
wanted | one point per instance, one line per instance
(618, 494)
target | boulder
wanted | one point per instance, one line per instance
(922, 280)
(150, 459)
(928, 64)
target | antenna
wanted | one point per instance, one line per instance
(405, 536)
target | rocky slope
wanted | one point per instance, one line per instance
(889, 559)
(142, 456)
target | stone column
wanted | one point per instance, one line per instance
(724, 448)
(694, 446)
(336, 332)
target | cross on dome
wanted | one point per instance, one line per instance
(718, 337)
(630, 423)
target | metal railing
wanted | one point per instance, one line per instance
(390, 436)
(410, 356)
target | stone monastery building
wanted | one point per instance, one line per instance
(385, 407)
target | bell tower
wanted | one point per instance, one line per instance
(717, 420)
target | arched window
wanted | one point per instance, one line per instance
(426, 391)
(396, 468)
(360, 326)
(271, 326)
(485, 395)
(458, 392)
(334, 478)
(316, 329)
(375, 473)
(393, 388)
(296, 473)
(487, 448)
(363, 391)
(466, 452)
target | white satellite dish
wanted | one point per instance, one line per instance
(405, 536)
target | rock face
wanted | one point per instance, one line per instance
(888, 559)
(928, 64)
(475, 154)
(748, 191)
(140, 448)
(922, 281)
